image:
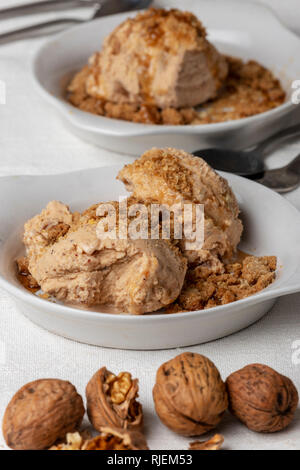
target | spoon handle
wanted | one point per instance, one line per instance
(30, 31)
(292, 131)
(294, 165)
(43, 7)
(283, 180)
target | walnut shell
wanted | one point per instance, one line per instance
(106, 410)
(260, 397)
(117, 439)
(215, 443)
(40, 413)
(189, 395)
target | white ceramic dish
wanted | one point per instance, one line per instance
(242, 29)
(272, 227)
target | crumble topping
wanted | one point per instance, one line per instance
(239, 280)
(249, 89)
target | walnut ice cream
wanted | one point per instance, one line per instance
(159, 68)
(169, 176)
(66, 257)
(70, 262)
(160, 57)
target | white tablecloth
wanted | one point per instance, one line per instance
(32, 141)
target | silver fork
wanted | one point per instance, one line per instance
(101, 8)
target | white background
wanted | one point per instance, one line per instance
(33, 141)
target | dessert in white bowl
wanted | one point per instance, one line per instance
(159, 67)
(261, 210)
(238, 29)
(70, 260)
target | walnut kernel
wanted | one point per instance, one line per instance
(116, 439)
(215, 443)
(119, 386)
(109, 439)
(74, 441)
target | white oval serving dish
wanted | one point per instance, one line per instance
(242, 29)
(272, 227)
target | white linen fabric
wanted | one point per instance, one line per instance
(33, 141)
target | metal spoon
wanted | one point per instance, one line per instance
(283, 179)
(103, 7)
(244, 162)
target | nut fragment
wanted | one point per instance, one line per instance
(190, 396)
(119, 386)
(109, 439)
(111, 401)
(113, 439)
(40, 413)
(74, 441)
(24, 276)
(260, 397)
(215, 443)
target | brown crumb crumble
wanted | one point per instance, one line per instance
(249, 89)
(24, 276)
(239, 280)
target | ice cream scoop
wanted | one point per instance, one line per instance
(70, 261)
(170, 176)
(160, 57)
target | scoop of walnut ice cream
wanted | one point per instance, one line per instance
(169, 176)
(70, 261)
(159, 57)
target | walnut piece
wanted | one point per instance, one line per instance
(109, 439)
(119, 386)
(24, 276)
(215, 443)
(111, 401)
(41, 413)
(261, 398)
(189, 395)
(74, 441)
(113, 439)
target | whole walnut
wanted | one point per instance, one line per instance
(40, 413)
(111, 401)
(189, 394)
(260, 397)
